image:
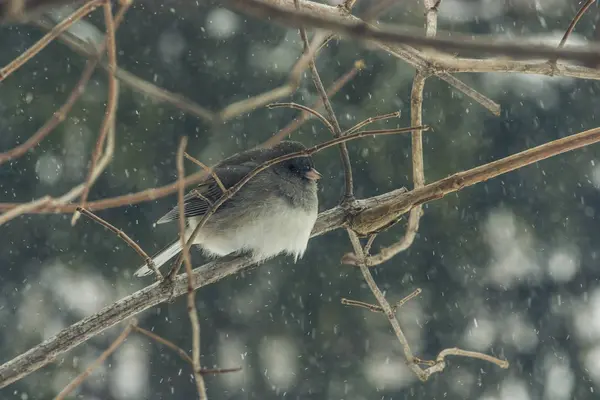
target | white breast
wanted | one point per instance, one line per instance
(270, 232)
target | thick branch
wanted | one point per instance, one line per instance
(391, 208)
(281, 11)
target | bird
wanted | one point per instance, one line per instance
(273, 213)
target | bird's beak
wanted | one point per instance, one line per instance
(313, 174)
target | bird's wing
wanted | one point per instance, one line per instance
(199, 200)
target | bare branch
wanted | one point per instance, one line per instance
(110, 115)
(337, 131)
(191, 295)
(306, 110)
(292, 126)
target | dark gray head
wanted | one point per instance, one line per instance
(301, 168)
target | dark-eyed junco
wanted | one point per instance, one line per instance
(272, 213)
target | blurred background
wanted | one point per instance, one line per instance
(508, 267)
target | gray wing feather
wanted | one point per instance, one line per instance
(199, 200)
(230, 171)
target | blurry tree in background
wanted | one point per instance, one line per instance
(507, 267)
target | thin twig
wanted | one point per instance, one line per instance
(191, 295)
(439, 364)
(110, 140)
(180, 352)
(337, 131)
(362, 304)
(183, 354)
(370, 120)
(369, 244)
(306, 110)
(88, 371)
(219, 371)
(49, 37)
(122, 235)
(574, 22)
(411, 296)
(209, 170)
(471, 354)
(109, 119)
(305, 116)
(58, 205)
(24, 208)
(375, 308)
(553, 60)
(486, 102)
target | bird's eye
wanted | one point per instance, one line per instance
(292, 167)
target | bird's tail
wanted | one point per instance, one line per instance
(161, 258)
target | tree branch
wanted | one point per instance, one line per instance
(280, 11)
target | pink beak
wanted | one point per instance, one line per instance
(313, 175)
